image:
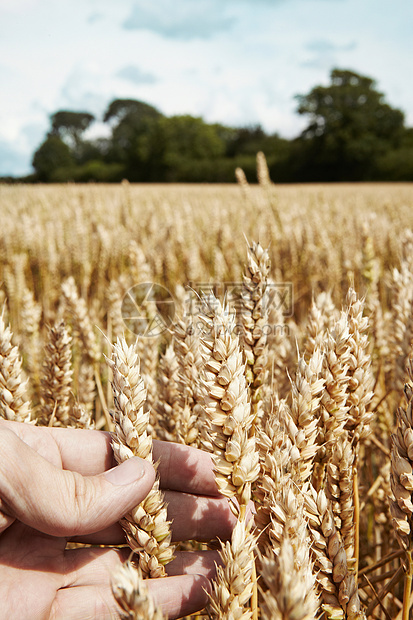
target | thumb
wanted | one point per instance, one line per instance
(65, 503)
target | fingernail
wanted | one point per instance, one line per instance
(127, 472)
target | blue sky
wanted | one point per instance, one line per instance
(234, 61)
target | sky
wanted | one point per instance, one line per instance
(237, 62)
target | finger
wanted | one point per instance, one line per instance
(186, 469)
(181, 468)
(181, 595)
(84, 602)
(194, 563)
(5, 520)
(199, 518)
(65, 503)
(193, 518)
(94, 567)
(87, 452)
(177, 596)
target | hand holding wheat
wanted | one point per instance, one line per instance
(59, 485)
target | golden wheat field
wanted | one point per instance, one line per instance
(269, 325)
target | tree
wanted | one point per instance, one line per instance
(131, 120)
(245, 141)
(350, 126)
(182, 147)
(119, 109)
(52, 155)
(69, 126)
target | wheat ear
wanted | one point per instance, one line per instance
(234, 582)
(187, 348)
(321, 316)
(339, 490)
(401, 477)
(13, 403)
(166, 405)
(334, 398)
(228, 417)
(278, 456)
(290, 583)
(30, 318)
(77, 308)
(336, 583)
(302, 421)
(359, 395)
(132, 594)
(146, 527)
(254, 317)
(57, 377)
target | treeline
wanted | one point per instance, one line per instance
(352, 135)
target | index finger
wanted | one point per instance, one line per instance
(181, 468)
(186, 469)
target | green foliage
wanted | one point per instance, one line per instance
(69, 126)
(120, 109)
(92, 171)
(187, 141)
(352, 135)
(50, 156)
(396, 165)
(350, 126)
(132, 122)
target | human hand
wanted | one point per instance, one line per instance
(59, 485)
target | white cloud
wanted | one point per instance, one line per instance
(134, 74)
(95, 17)
(185, 20)
(324, 53)
(17, 6)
